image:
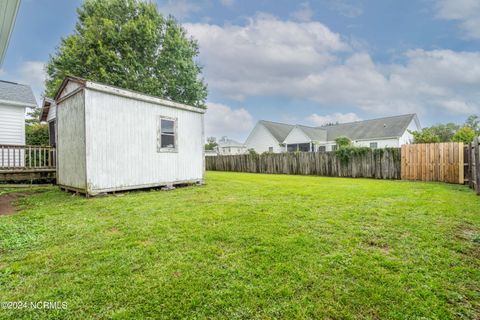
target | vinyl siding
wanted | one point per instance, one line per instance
(296, 136)
(261, 140)
(12, 124)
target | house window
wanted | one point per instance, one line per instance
(51, 133)
(373, 145)
(334, 147)
(322, 149)
(270, 149)
(167, 135)
(303, 147)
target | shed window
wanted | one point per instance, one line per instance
(51, 133)
(167, 137)
(373, 145)
(270, 149)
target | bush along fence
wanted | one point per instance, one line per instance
(472, 165)
(351, 162)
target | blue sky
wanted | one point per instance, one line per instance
(302, 62)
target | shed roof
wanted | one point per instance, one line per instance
(106, 88)
(374, 128)
(19, 94)
(278, 130)
(47, 103)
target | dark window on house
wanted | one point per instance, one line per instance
(270, 149)
(322, 149)
(334, 147)
(167, 135)
(303, 147)
(373, 145)
(51, 133)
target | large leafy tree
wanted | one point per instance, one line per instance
(129, 44)
(464, 134)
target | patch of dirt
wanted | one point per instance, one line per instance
(7, 202)
(379, 245)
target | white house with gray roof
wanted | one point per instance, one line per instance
(276, 137)
(14, 100)
(226, 146)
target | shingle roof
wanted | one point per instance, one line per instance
(375, 128)
(388, 127)
(278, 130)
(319, 134)
(14, 92)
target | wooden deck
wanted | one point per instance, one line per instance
(27, 163)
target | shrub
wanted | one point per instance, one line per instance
(465, 135)
(343, 141)
(37, 134)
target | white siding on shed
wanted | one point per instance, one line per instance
(12, 124)
(71, 142)
(52, 112)
(261, 140)
(121, 135)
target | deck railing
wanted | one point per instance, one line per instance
(22, 157)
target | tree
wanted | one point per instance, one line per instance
(343, 141)
(444, 132)
(36, 134)
(211, 143)
(473, 122)
(425, 136)
(129, 44)
(464, 134)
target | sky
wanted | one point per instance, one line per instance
(301, 62)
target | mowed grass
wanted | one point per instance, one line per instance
(248, 246)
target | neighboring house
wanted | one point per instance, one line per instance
(14, 100)
(48, 114)
(112, 139)
(228, 147)
(374, 133)
(8, 10)
(268, 136)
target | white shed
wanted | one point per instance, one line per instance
(112, 139)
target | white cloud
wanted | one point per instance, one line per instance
(227, 3)
(319, 120)
(180, 9)
(306, 60)
(304, 12)
(31, 73)
(221, 120)
(467, 12)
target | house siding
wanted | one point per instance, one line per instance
(12, 124)
(261, 140)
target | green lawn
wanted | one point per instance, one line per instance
(248, 246)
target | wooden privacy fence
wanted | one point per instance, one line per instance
(18, 157)
(379, 164)
(433, 162)
(472, 165)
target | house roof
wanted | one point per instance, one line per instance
(319, 134)
(225, 142)
(19, 94)
(47, 103)
(388, 127)
(278, 130)
(9, 9)
(375, 128)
